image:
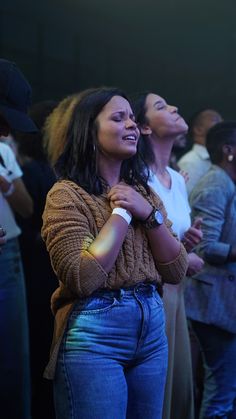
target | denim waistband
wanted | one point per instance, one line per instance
(144, 288)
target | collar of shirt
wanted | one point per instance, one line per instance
(201, 151)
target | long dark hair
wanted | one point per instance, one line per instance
(78, 161)
(144, 146)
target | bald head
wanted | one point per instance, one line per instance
(202, 122)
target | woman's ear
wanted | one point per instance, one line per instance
(229, 152)
(227, 149)
(145, 130)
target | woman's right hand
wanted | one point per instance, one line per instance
(124, 196)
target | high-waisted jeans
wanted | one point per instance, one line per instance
(113, 358)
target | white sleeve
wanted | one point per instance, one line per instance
(12, 169)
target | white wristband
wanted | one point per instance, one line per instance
(122, 213)
(9, 191)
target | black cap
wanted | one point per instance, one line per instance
(15, 97)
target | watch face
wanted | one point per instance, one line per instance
(155, 219)
(159, 217)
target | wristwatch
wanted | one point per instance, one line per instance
(155, 219)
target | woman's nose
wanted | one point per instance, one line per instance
(173, 109)
(131, 123)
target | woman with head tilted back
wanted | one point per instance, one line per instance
(110, 245)
(160, 124)
(210, 294)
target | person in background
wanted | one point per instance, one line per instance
(38, 178)
(56, 125)
(210, 294)
(160, 124)
(110, 245)
(177, 151)
(196, 162)
(14, 350)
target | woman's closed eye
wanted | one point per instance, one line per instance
(117, 119)
(122, 116)
(161, 105)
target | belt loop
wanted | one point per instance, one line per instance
(121, 292)
(153, 288)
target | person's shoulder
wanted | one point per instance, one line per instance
(173, 173)
(68, 189)
(215, 175)
(65, 185)
(187, 154)
(61, 196)
(215, 182)
(177, 178)
(188, 160)
(218, 176)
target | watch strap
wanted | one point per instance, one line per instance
(151, 221)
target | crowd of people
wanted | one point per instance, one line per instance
(117, 257)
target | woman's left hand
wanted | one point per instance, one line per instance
(124, 196)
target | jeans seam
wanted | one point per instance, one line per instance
(67, 381)
(144, 312)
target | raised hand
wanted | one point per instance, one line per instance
(193, 235)
(185, 175)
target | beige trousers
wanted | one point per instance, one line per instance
(178, 401)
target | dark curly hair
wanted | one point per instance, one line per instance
(221, 134)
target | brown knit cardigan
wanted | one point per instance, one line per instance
(72, 219)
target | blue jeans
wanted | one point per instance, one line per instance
(218, 348)
(14, 345)
(113, 359)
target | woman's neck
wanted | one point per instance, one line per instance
(162, 151)
(110, 171)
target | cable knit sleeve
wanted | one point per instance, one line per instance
(173, 272)
(67, 226)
